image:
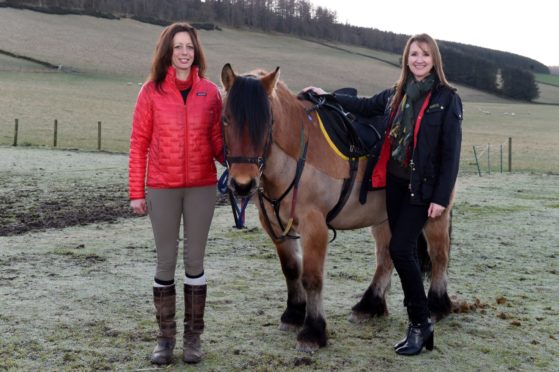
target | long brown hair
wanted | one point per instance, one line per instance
(164, 52)
(405, 72)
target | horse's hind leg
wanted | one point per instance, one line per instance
(437, 234)
(373, 301)
(290, 257)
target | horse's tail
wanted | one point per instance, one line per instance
(423, 253)
(423, 256)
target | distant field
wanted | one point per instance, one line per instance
(113, 57)
(549, 94)
(548, 79)
(78, 102)
(533, 129)
(124, 48)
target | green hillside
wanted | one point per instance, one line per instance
(112, 58)
(548, 79)
(124, 47)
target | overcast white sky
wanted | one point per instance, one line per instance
(529, 28)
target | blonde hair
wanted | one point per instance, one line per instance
(405, 72)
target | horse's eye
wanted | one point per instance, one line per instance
(224, 120)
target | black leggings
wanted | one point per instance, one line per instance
(406, 223)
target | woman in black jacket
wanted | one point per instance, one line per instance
(418, 166)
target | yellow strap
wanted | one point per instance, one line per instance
(332, 145)
(288, 227)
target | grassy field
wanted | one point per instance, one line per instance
(75, 269)
(548, 79)
(79, 297)
(78, 102)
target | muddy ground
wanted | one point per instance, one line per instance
(63, 189)
(76, 274)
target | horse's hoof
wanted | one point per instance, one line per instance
(440, 305)
(286, 327)
(358, 318)
(307, 347)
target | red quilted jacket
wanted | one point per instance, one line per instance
(177, 142)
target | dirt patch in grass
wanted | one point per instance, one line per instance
(40, 194)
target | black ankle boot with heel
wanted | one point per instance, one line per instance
(418, 335)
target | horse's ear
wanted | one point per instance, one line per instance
(270, 80)
(227, 77)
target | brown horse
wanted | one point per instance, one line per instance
(275, 148)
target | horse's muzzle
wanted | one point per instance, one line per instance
(243, 189)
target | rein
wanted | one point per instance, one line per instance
(276, 202)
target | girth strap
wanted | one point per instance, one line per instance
(355, 151)
(347, 186)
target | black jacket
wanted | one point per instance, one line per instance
(436, 155)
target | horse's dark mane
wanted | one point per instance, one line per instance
(248, 104)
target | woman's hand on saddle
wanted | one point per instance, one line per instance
(316, 90)
(435, 210)
(138, 206)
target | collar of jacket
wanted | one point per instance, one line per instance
(172, 74)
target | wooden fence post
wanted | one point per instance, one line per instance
(488, 158)
(501, 162)
(510, 154)
(98, 135)
(15, 132)
(55, 140)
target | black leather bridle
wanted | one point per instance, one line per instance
(259, 161)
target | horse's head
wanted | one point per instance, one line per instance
(247, 126)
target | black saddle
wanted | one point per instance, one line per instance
(351, 134)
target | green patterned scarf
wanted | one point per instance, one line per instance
(401, 133)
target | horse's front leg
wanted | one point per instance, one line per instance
(437, 234)
(314, 240)
(289, 254)
(373, 301)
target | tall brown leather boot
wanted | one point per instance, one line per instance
(164, 299)
(195, 302)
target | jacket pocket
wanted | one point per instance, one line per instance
(434, 115)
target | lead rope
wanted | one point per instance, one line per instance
(238, 212)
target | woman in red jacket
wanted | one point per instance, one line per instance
(176, 136)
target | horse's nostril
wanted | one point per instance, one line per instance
(243, 189)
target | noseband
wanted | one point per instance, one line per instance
(259, 161)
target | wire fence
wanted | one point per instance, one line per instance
(486, 154)
(55, 133)
(486, 158)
